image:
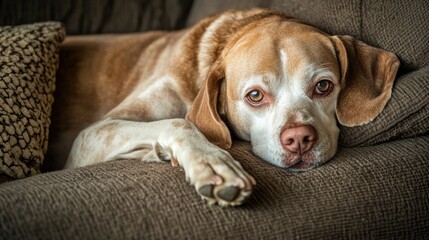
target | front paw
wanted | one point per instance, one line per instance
(218, 178)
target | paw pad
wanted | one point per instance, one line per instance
(228, 194)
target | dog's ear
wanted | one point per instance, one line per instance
(367, 76)
(204, 113)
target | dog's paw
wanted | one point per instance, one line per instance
(218, 178)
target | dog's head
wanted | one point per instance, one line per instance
(282, 85)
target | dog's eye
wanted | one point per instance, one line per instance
(255, 96)
(323, 87)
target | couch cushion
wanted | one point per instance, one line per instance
(367, 192)
(28, 63)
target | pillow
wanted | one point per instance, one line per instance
(406, 114)
(28, 63)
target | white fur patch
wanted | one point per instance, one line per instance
(284, 61)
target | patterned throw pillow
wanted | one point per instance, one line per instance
(28, 64)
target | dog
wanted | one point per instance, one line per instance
(259, 75)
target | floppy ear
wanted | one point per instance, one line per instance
(204, 113)
(367, 76)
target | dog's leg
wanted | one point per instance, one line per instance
(134, 130)
(213, 172)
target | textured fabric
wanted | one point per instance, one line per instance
(28, 62)
(400, 26)
(101, 16)
(346, 19)
(379, 192)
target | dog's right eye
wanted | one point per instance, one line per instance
(323, 88)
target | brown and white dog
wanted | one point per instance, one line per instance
(271, 80)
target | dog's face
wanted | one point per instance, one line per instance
(282, 93)
(282, 86)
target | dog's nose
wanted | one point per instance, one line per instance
(299, 139)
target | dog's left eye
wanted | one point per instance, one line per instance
(323, 87)
(255, 97)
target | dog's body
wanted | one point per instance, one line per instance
(271, 80)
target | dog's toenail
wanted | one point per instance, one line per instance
(228, 193)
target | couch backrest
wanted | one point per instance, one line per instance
(101, 16)
(400, 26)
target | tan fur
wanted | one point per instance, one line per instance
(367, 78)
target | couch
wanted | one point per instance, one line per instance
(376, 187)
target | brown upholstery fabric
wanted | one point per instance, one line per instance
(371, 192)
(107, 16)
(346, 19)
(399, 26)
